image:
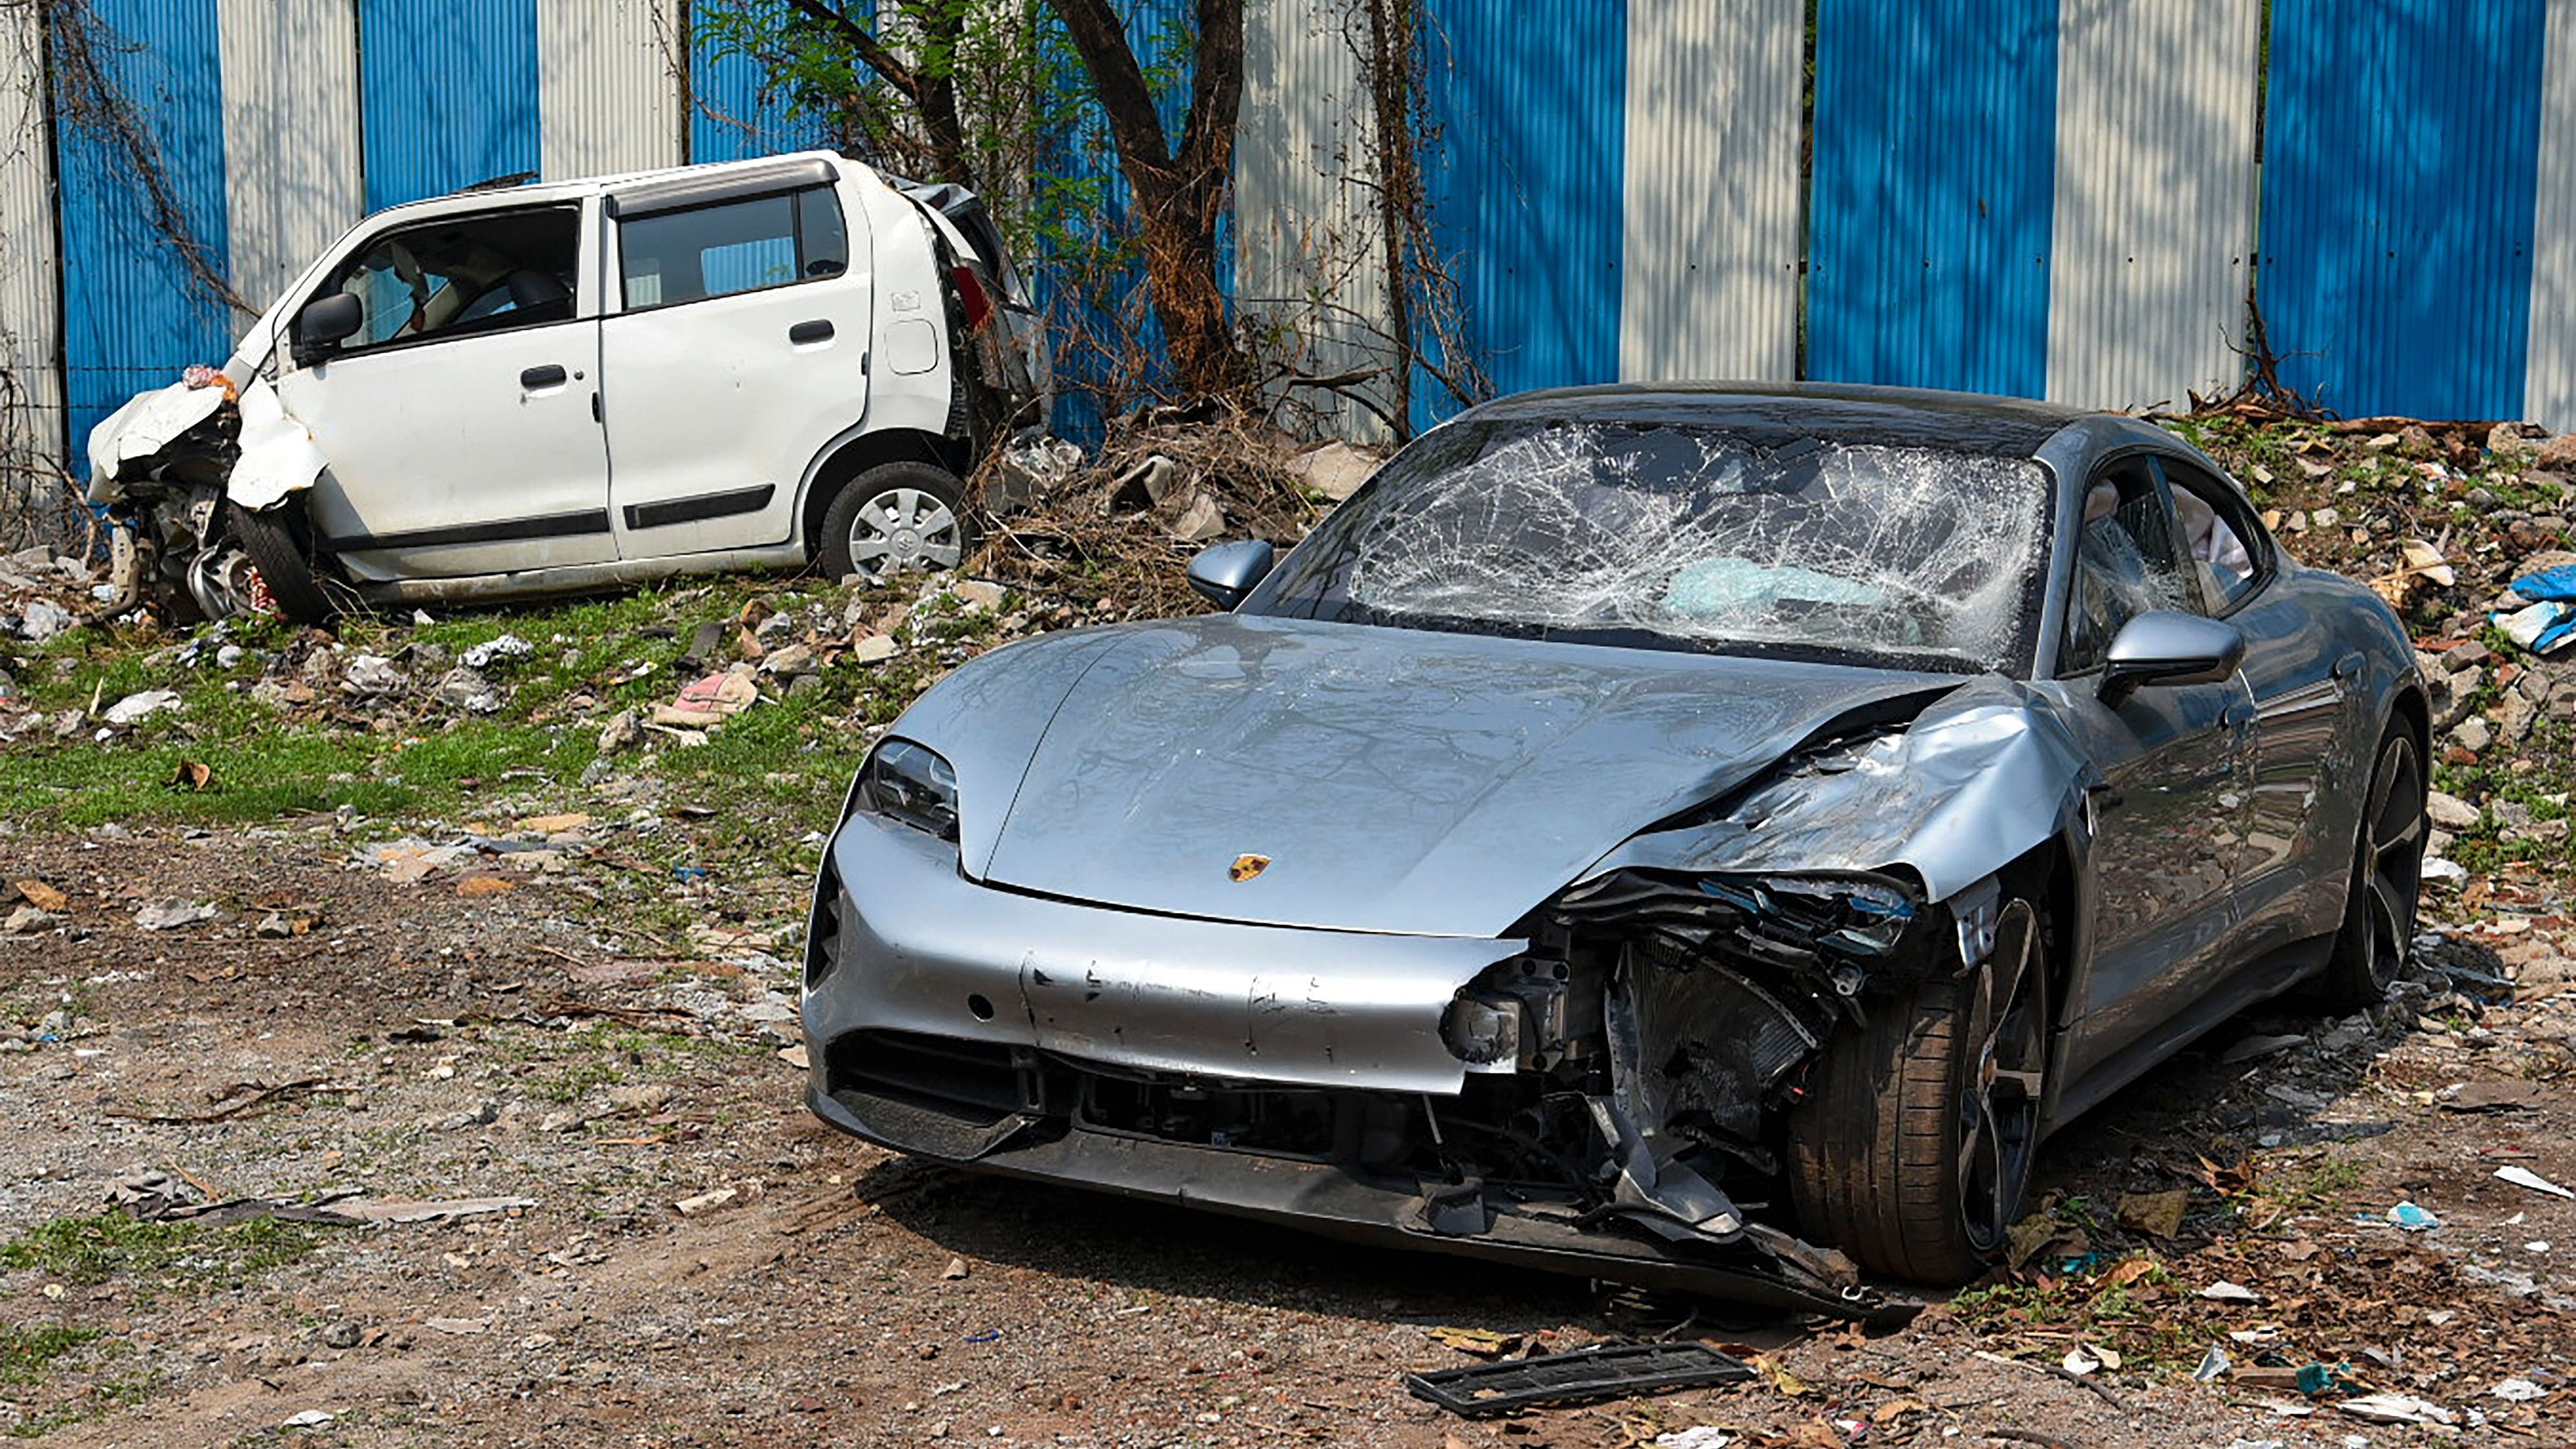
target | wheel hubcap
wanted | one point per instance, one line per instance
(2392, 860)
(903, 528)
(1999, 1110)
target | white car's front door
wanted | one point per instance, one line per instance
(461, 421)
(738, 351)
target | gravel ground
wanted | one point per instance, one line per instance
(462, 1040)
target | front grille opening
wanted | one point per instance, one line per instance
(962, 1078)
(1279, 1122)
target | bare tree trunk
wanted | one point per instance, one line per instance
(1181, 194)
(1399, 189)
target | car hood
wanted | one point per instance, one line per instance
(1393, 780)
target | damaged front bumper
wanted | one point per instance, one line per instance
(1355, 1085)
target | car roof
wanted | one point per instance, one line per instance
(1773, 413)
(577, 188)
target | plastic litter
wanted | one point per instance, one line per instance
(2397, 1409)
(2412, 1218)
(2212, 1364)
(2518, 1391)
(2525, 1177)
(2550, 621)
(2224, 1291)
(1698, 1436)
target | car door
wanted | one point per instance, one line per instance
(738, 351)
(2300, 688)
(459, 420)
(2168, 811)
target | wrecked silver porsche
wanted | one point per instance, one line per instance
(1698, 837)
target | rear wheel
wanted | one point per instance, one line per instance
(1914, 1147)
(894, 517)
(2387, 867)
(283, 573)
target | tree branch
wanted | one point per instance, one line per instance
(1124, 97)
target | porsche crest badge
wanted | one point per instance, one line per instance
(1245, 867)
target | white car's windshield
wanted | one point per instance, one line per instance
(1676, 536)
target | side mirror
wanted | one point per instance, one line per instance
(324, 324)
(1224, 574)
(2164, 647)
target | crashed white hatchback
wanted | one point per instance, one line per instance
(535, 388)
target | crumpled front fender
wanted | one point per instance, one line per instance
(278, 454)
(1977, 781)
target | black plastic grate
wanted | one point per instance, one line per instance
(1484, 1389)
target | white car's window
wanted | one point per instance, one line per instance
(733, 246)
(465, 275)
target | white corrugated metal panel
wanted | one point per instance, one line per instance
(1305, 224)
(2154, 224)
(291, 161)
(30, 300)
(608, 86)
(2549, 386)
(1710, 281)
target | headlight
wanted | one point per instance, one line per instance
(906, 782)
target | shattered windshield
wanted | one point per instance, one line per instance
(1675, 536)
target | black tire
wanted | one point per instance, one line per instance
(2387, 869)
(1913, 1148)
(913, 513)
(270, 541)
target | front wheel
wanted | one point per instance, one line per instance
(894, 517)
(1914, 1146)
(278, 559)
(2387, 868)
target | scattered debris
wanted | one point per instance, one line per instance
(136, 708)
(170, 915)
(2397, 1409)
(1582, 1376)
(2525, 1177)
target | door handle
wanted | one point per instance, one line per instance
(805, 332)
(550, 375)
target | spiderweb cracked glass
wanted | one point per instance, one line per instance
(1698, 536)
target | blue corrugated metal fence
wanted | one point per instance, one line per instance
(447, 94)
(2402, 165)
(1933, 190)
(134, 312)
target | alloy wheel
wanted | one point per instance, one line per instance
(1999, 1102)
(2392, 861)
(904, 528)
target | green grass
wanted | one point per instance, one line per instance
(25, 1351)
(96, 1248)
(791, 757)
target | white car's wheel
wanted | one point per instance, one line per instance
(893, 518)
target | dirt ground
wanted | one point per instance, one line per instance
(443, 1039)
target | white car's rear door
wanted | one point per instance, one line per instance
(460, 421)
(737, 350)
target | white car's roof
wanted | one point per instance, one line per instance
(581, 188)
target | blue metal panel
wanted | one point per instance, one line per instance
(134, 310)
(1933, 193)
(1526, 187)
(447, 94)
(1099, 311)
(2402, 160)
(739, 111)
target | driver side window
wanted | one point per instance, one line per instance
(2128, 560)
(465, 275)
